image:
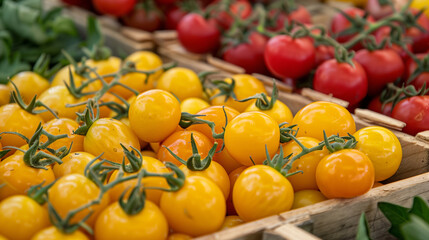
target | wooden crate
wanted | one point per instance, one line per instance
(335, 218)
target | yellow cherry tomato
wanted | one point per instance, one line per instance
(305, 198)
(319, 116)
(280, 112)
(113, 223)
(214, 172)
(226, 160)
(160, 112)
(149, 153)
(144, 61)
(233, 176)
(193, 105)
(57, 98)
(4, 94)
(198, 208)
(105, 111)
(63, 76)
(105, 136)
(347, 173)
(152, 165)
(71, 192)
(29, 85)
(247, 135)
(420, 4)
(106, 66)
(14, 119)
(245, 86)
(231, 221)
(17, 177)
(182, 82)
(64, 126)
(73, 163)
(383, 149)
(179, 236)
(52, 233)
(307, 163)
(21, 217)
(260, 191)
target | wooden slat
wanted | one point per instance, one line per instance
(318, 96)
(109, 22)
(165, 35)
(178, 49)
(424, 136)
(226, 66)
(379, 119)
(136, 34)
(290, 232)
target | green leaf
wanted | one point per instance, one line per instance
(64, 25)
(420, 208)
(94, 36)
(415, 229)
(363, 229)
(396, 214)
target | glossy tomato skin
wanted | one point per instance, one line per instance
(152, 165)
(64, 126)
(414, 112)
(105, 136)
(180, 144)
(420, 38)
(15, 119)
(160, 111)
(376, 106)
(231, 221)
(21, 217)
(383, 149)
(114, 7)
(340, 23)
(193, 105)
(319, 116)
(258, 131)
(381, 67)
(146, 20)
(305, 198)
(347, 173)
(324, 53)
(216, 173)
(113, 223)
(73, 163)
(422, 78)
(182, 82)
(245, 86)
(270, 193)
(73, 191)
(18, 177)
(200, 198)
(249, 55)
(52, 233)
(4, 94)
(342, 80)
(289, 58)
(233, 176)
(198, 35)
(280, 112)
(307, 163)
(29, 85)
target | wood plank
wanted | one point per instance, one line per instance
(136, 34)
(318, 96)
(178, 49)
(423, 136)
(291, 232)
(379, 119)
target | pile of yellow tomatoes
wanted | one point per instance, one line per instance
(106, 175)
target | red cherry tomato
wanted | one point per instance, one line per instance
(414, 112)
(376, 106)
(324, 53)
(240, 8)
(197, 34)
(421, 78)
(289, 58)
(146, 20)
(383, 33)
(173, 17)
(301, 15)
(420, 38)
(114, 7)
(160, 2)
(249, 55)
(342, 80)
(381, 67)
(340, 24)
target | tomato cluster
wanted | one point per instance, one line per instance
(143, 150)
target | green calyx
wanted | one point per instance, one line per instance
(31, 107)
(135, 162)
(42, 64)
(187, 120)
(136, 200)
(39, 192)
(194, 162)
(88, 117)
(335, 143)
(422, 67)
(393, 94)
(225, 89)
(287, 132)
(262, 101)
